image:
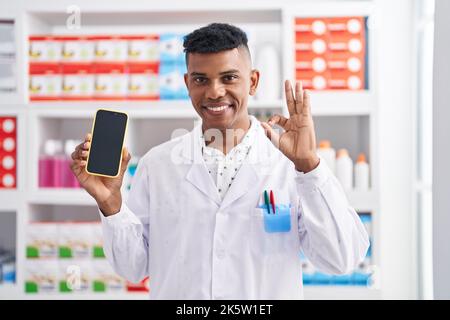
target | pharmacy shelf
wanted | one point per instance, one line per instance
(10, 199)
(61, 197)
(166, 109)
(87, 296)
(342, 103)
(326, 292)
(47, 119)
(179, 109)
(361, 201)
(9, 291)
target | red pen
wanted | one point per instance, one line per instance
(272, 201)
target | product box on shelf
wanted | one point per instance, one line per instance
(45, 81)
(331, 53)
(8, 81)
(105, 279)
(143, 48)
(77, 49)
(171, 81)
(111, 82)
(45, 49)
(142, 286)
(42, 240)
(8, 154)
(110, 49)
(42, 276)
(143, 81)
(171, 48)
(75, 240)
(78, 82)
(7, 266)
(97, 241)
(75, 276)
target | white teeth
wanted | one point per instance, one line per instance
(219, 108)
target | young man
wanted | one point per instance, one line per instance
(196, 219)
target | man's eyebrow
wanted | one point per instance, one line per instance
(229, 71)
(197, 74)
(222, 73)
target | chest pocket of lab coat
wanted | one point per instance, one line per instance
(271, 243)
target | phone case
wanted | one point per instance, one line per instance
(121, 153)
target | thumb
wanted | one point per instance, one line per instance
(272, 134)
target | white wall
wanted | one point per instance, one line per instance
(441, 152)
(395, 44)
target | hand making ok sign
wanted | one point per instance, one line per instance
(298, 141)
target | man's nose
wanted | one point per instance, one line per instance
(215, 91)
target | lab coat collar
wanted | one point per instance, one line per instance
(257, 163)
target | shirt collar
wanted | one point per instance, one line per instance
(246, 141)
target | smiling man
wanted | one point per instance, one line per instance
(224, 211)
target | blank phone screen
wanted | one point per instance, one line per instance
(107, 142)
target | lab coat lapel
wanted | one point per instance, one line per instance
(198, 172)
(251, 170)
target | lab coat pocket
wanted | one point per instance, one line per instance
(272, 233)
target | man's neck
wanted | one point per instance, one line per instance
(231, 137)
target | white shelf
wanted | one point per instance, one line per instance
(9, 291)
(363, 201)
(87, 296)
(166, 109)
(61, 197)
(358, 110)
(10, 199)
(180, 109)
(326, 292)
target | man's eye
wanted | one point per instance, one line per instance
(230, 77)
(199, 80)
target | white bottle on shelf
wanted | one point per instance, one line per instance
(361, 173)
(268, 64)
(344, 169)
(68, 178)
(327, 153)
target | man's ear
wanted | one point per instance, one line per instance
(186, 80)
(254, 80)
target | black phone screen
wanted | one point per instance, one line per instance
(107, 142)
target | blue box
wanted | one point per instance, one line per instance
(278, 222)
(171, 83)
(171, 48)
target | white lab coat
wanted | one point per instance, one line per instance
(175, 228)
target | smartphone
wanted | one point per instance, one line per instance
(108, 135)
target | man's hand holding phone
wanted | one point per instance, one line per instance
(105, 190)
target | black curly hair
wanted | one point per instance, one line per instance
(215, 37)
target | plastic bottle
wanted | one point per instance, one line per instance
(267, 62)
(344, 169)
(361, 173)
(69, 180)
(59, 160)
(47, 165)
(327, 153)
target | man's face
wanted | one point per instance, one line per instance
(219, 85)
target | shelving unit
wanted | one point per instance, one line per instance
(348, 119)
